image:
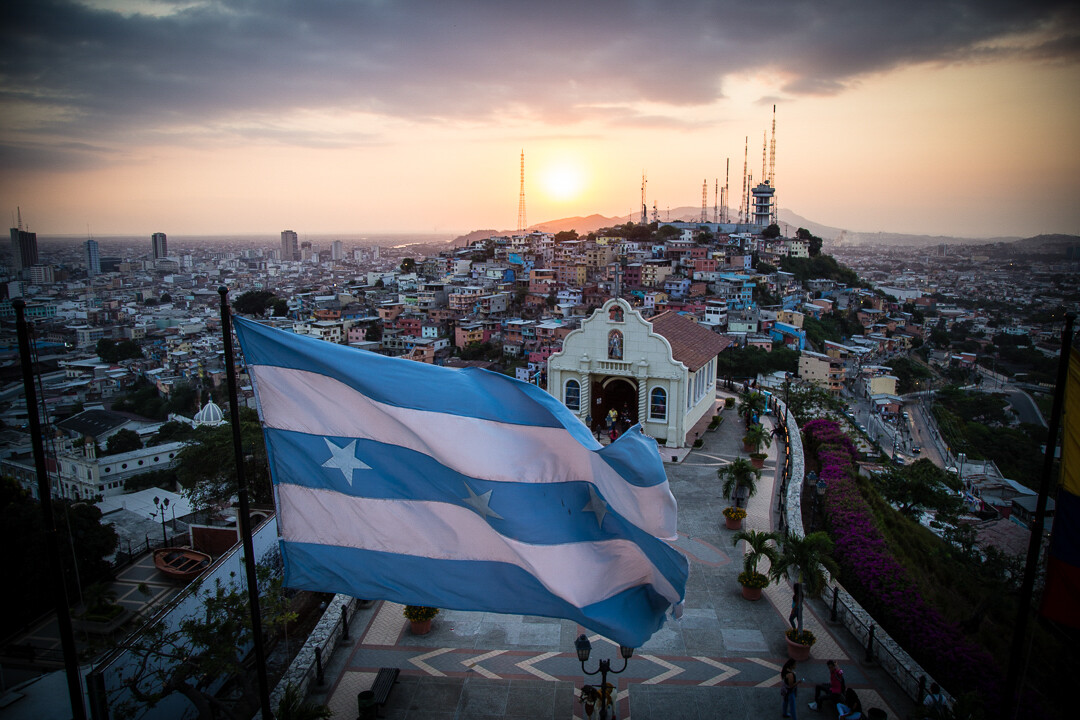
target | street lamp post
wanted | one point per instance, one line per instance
(162, 505)
(584, 647)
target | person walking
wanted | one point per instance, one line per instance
(796, 595)
(789, 686)
(832, 692)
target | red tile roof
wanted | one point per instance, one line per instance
(691, 344)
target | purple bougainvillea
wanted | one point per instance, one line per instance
(881, 584)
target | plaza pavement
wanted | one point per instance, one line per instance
(720, 660)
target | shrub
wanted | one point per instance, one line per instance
(419, 613)
(734, 513)
(753, 580)
(802, 638)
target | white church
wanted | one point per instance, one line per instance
(659, 372)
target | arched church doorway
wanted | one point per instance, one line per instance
(616, 393)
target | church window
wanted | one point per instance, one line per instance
(573, 395)
(658, 404)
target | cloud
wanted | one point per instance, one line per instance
(116, 75)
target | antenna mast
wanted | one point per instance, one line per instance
(742, 197)
(521, 195)
(644, 207)
(772, 150)
(764, 147)
(725, 213)
(19, 209)
(715, 201)
(704, 200)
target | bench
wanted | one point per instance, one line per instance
(376, 697)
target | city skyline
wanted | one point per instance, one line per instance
(134, 116)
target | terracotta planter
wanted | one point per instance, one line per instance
(757, 462)
(751, 593)
(797, 651)
(748, 448)
(420, 627)
(733, 524)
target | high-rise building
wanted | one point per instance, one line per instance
(93, 258)
(161, 246)
(337, 250)
(24, 250)
(290, 249)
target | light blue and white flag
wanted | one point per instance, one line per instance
(459, 489)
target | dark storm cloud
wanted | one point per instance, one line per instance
(104, 77)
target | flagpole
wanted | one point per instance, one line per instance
(52, 545)
(1012, 678)
(245, 519)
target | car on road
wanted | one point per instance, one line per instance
(916, 449)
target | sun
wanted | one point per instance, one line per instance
(563, 181)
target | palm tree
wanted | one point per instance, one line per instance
(806, 558)
(739, 474)
(757, 437)
(759, 545)
(751, 403)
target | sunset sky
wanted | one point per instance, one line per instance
(952, 117)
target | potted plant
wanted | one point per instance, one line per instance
(799, 643)
(807, 559)
(759, 545)
(733, 517)
(756, 438)
(737, 477)
(729, 402)
(420, 617)
(715, 422)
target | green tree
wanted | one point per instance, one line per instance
(408, 265)
(253, 302)
(739, 474)
(123, 441)
(806, 559)
(761, 546)
(757, 437)
(920, 487)
(281, 308)
(771, 232)
(166, 298)
(204, 648)
(206, 468)
(81, 535)
(172, 431)
(112, 351)
(566, 236)
(751, 404)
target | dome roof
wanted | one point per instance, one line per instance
(209, 415)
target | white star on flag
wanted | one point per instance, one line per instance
(597, 506)
(344, 459)
(480, 503)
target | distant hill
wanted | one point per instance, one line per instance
(789, 222)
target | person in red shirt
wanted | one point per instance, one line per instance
(832, 692)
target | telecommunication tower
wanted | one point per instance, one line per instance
(704, 199)
(772, 150)
(644, 207)
(715, 200)
(764, 156)
(742, 196)
(521, 195)
(655, 213)
(725, 213)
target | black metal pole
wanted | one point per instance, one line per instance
(245, 519)
(1027, 588)
(52, 543)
